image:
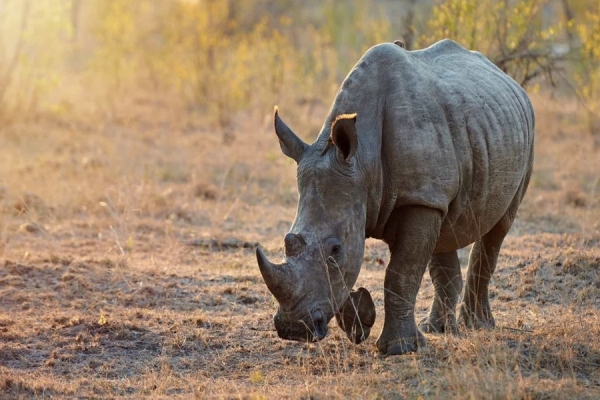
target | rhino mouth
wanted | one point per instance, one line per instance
(313, 328)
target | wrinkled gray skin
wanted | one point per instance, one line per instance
(438, 156)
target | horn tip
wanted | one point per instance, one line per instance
(276, 118)
(261, 259)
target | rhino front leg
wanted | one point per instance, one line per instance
(444, 270)
(411, 233)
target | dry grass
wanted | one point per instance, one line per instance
(126, 271)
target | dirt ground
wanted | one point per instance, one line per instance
(127, 269)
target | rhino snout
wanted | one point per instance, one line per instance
(320, 325)
(310, 329)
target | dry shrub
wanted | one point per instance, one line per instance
(512, 34)
(578, 262)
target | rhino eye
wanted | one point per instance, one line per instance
(335, 250)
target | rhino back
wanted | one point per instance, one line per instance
(450, 131)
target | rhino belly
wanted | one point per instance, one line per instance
(470, 218)
(462, 232)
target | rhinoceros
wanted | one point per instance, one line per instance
(428, 150)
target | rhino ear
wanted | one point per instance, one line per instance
(291, 145)
(357, 315)
(343, 135)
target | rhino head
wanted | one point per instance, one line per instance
(324, 247)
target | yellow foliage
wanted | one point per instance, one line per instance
(33, 46)
(217, 58)
(217, 64)
(588, 76)
(511, 33)
(102, 320)
(257, 377)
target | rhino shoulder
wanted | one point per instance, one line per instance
(446, 45)
(384, 52)
(448, 48)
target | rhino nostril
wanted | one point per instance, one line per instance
(320, 325)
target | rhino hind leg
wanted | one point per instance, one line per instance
(444, 270)
(475, 311)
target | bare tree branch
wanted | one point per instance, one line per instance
(7, 76)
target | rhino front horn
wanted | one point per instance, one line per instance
(276, 276)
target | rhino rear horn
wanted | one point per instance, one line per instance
(294, 244)
(291, 145)
(277, 276)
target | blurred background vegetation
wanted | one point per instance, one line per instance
(216, 59)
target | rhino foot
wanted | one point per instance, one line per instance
(401, 346)
(436, 324)
(397, 345)
(480, 318)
